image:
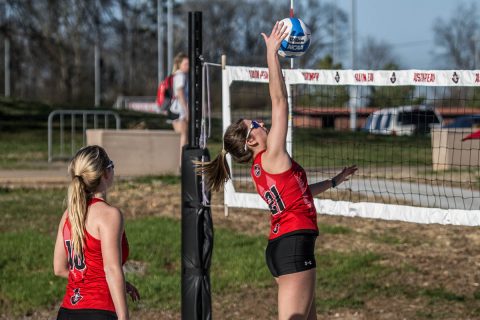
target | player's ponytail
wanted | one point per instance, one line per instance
(217, 171)
(86, 170)
(77, 208)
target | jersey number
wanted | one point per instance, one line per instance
(274, 201)
(74, 260)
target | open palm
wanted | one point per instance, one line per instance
(276, 37)
(345, 174)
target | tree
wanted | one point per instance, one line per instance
(376, 54)
(458, 39)
(52, 42)
(458, 43)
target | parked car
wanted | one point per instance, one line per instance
(468, 121)
(404, 120)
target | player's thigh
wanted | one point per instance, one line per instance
(295, 294)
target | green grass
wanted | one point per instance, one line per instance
(344, 279)
(442, 294)
(166, 179)
(28, 228)
(23, 140)
(156, 241)
(13, 106)
(333, 229)
(30, 209)
(23, 149)
(385, 238)
(26, 279)
(347, 280)
(24, 132)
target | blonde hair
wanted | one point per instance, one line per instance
(217, 171)
(177, 61)
(86, 170)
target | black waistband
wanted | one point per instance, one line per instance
(88, 311)
(309, 232)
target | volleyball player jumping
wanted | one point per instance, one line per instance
(282, 183)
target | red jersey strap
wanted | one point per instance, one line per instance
(89, 203)
(259, 155)
(95, 200)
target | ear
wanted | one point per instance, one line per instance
(252, 142)
(106, 174)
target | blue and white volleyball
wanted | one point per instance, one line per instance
(298, 40)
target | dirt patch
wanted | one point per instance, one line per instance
(439, 260)
(443, 257)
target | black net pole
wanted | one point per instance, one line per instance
(197, 227)
(195, 80)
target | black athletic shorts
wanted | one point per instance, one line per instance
(291, 253)
(84, 314)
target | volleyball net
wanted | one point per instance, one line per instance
(414, 139)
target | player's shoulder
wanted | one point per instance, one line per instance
(64, 218)
(106, 214)
(275, 162)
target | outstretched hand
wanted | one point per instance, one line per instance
(132, 291)
(345, 174)
(276, 37)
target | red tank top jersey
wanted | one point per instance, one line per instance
(87, 286)
(289, 198)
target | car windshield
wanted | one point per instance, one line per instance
(417, 117)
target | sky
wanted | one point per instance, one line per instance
(405, 24)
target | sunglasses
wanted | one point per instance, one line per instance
(110, 165)
(253, 125)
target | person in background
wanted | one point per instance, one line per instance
(91, 244)
(179, 108)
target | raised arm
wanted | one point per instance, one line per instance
(276, 157)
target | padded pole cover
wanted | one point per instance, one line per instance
(197, 240)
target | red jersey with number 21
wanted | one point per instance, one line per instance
(87, 286)
(289, 198)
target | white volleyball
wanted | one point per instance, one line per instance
(298, 40)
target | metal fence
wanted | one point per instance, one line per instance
(90, 119)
